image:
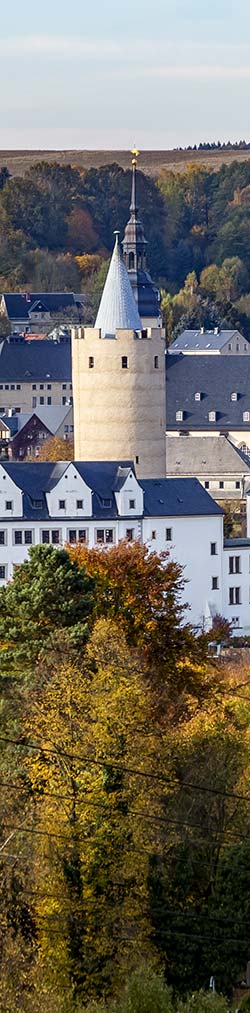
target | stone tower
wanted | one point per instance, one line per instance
(135, 259)
(119, 381)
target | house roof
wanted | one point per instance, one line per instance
(205, 341)
(167, 497)
(204, 455)
(118, 309)
(177, 497)
(19, 304)
(35, 360)
(215, 378)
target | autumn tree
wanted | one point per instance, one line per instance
(56, 449)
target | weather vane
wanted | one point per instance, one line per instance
(135, 153)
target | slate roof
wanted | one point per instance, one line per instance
(162, 498)
(177, 497)
(117, 308)
(19, 304)
(208, 341)
(215, 378)
(203, 455)
(34, 361)
(236, 543)
(51, 417)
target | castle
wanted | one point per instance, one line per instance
(119, 365)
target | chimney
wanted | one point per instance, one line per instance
(216, 330)
(11, 412)
(202, 330)
(27, 297)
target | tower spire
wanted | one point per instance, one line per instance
(133, 205)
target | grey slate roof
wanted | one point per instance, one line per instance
(203, 455)
(164, 497)
(51, 417)
(177, 497)
(19, 304)
(35, 360)
(117, 308)
(208, 341)
(215, 378)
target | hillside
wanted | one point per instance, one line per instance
(151, 162)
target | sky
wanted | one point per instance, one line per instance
(111, 73)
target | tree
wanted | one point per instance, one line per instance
(48, 593)
(56, 449)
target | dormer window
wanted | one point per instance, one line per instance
(197, 396)
(234, 396)
(124, 361)
(62, 503)
(179, 416)
(246, 416)
(212, 416)
(8, 504)
(37, 504)
(132, 504)
(106, 502)
(79, 504)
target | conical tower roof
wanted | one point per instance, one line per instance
(117, 308)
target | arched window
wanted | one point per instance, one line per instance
(131, 261)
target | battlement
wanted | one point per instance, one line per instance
(95, 333)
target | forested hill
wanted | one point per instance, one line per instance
(57, 224)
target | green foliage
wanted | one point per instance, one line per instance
(48, 593)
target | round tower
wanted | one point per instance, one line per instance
(119, 382)
(135, 259)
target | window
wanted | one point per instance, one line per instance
(12, 386)
(2, 572)
(106, 502)
(48, 386)
(109, 536)
(246, 416)
(179, 416)
(91, 362)
(34, 386)
(8, 504)
(18, 537)
(213, 548)
(131, 261)
(49, 400)
(153, 536)
(234, 396)
(212, 416)
(72, 535)
(79, 504)
(132, 504)
(2, 537)
(64, 386)
(82, 534)
(235, 621)
(168, 534)
(229, 348)
(234, 596)
(28, 537)
(100, 536)
(156, 362)
(37, 504)
(130, 534)
(41, 386)
(237, 348)
(64, 400)
(6, 386)
(62, 504)
(221, 485)
(41, 399)
(215, 583)
(34, 402)
(78, 536)
(206, 485)
(124, 361)
(18, 386)
(234, 564)
(197, 396)
(55, 535)
(245, 348)
(137, 459)
(45, 537)
(237, 485)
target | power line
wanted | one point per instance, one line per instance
(124, 769)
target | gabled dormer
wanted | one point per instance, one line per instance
(11, 499)
(129, 495)
(69, 495)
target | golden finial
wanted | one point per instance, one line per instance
(135, 153)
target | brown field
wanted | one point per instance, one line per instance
(151, 162)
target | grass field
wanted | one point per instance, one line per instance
(151, 162)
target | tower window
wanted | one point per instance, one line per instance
(131, 261)
(156, 362)
(124, 361)
(91, 362)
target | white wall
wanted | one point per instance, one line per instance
(238, 613)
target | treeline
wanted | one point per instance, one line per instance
(218, 146)
(57, 225)
(124, 769)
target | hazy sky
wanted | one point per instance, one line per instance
(109, 73)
